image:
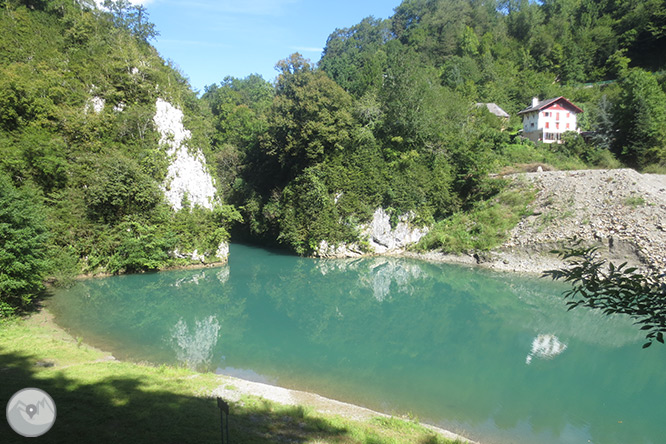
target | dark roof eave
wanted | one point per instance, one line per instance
(546, 103)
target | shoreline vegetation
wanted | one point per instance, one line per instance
(139, 402)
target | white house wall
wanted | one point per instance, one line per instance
(552, 120)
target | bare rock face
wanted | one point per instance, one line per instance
(385, 239)
(620, 211)
(187, 177)
(222, 253)
(382, 237)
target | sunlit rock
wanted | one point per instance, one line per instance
(222, 253)
(545, 347)
(382, 237)
(95, 104)
(187, 178)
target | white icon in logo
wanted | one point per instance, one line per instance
(31, 412)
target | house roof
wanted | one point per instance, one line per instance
(493, 108)
(546, 103)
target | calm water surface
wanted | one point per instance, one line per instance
(454, 346)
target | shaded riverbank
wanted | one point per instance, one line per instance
(101, 398)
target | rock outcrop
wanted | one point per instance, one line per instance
(187, 178)
(381, 237)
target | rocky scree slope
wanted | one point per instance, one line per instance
(620, 211)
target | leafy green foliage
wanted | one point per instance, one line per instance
(78, 86)
(614, 289)
(23, 240)
(140, 248)
(310, 119)
(354, 57)
(120, 189)
(483, 227)
(133, 18)
(641, 119)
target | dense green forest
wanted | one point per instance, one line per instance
(81, 166)
(386, 118)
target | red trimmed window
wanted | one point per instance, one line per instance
(547, 125)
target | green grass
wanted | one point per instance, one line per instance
(100, 400)
(484, 227)
(634, 201)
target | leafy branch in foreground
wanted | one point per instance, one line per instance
(614, 289)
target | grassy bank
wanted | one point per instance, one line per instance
(483, 227)
(100, 399)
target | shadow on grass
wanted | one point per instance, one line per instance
(121, 410)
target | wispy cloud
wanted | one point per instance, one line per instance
(307, 49)
(249, 7)
(100, 3)
(196, 43)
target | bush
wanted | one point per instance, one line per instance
(141, 248)
(23, 240)
(484, 227)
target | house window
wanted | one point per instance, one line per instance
(546, 114)
(532, 125)
(568, 126)
(557, 116)
(568, 115)
(547, 124)
(557, 125)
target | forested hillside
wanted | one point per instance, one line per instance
(92, 122)
(387, 118)
(82, 170)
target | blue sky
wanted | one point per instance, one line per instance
(209, 39)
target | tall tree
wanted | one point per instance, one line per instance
(310, 119)
(641, 119)
(354, 57)
(23, 240)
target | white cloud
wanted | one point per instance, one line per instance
(249, 7)
(198, 43)
(307, 49)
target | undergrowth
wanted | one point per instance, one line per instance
(483, 227)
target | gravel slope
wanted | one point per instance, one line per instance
(620, 211)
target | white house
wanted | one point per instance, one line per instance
(546, 121)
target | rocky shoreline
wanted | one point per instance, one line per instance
(621, 212)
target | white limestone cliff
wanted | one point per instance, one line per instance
(187, 175)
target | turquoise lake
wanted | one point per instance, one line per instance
(493, 356)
